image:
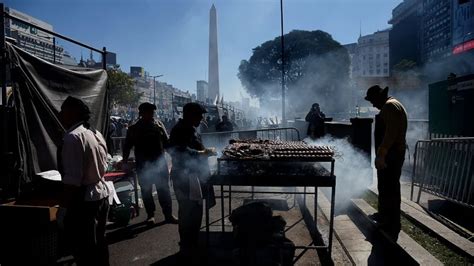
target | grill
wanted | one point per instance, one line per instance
(275, 158)
(275, 163)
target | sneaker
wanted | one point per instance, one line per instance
(171, 219)
(150, 220)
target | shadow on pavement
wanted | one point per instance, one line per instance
(130, 231)
(219, 252)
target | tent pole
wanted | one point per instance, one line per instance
(104, 58)
(3, 77)
(4, 58)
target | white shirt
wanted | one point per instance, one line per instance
(84, 161)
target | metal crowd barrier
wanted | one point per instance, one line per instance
(221, 139)
(445, 168)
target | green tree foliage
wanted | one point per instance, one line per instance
(121, 89)
(316, 70)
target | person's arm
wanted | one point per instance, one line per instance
(183, 141)
(165, 138)
(392, 118)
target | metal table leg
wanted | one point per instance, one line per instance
(222, 208)
(331, 219)
(206, 208)
(294, 197)
(304, 197)
(316, 206)
(230, 200)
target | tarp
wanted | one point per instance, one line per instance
(39, 89)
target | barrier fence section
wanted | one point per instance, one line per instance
(220, 139)
(445, 168)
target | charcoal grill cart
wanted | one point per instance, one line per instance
(275, 164)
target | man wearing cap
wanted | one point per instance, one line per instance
(82, 160)
(149, 137)
(390, 144)
(189, 174)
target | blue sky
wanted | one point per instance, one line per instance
(170, 37)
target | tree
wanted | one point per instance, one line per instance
(121, 89)
(316, 70)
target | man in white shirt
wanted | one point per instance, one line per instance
(84, 205)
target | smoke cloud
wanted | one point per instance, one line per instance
(353, 169)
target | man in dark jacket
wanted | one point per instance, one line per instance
(189, 174)
(149, 137)
(390, 144)
(315, 118)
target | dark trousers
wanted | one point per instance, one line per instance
(85, 228)
(388, 183)
(189, 217)
(157, 174)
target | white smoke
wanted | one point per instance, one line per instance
(352, 169)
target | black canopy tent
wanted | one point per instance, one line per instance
(39, 88)
(31, 128)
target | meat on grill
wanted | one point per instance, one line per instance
(275, 150)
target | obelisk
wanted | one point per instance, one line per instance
(213, 78)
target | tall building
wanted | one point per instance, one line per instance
(31, 39)
(463, 26)
(372, 56)
(352, 51)
(437, 30)
(405, 35)
(213, 78)
(202, 91)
